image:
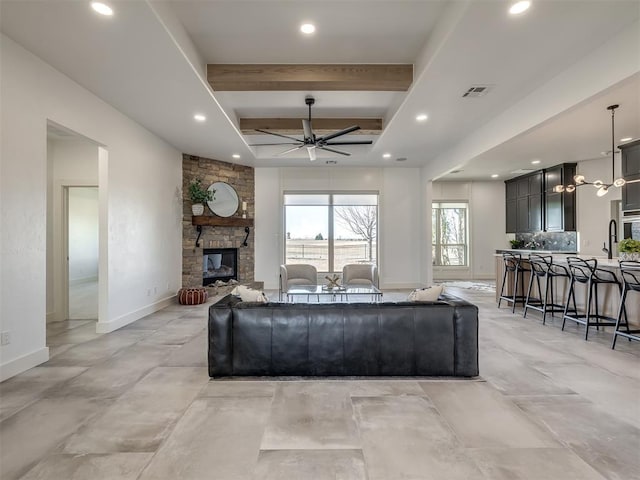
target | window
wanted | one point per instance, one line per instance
(449, 234)
(330, 230)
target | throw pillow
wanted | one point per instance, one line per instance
(429, 294)
(247, 294)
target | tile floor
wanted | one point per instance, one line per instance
(138, 404)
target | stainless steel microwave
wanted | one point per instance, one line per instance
(631, 224)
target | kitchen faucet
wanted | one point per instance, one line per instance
(613, 235)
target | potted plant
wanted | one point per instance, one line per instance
(199, 196)
(629, 249)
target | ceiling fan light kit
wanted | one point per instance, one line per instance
(603, 188)
(310, 141)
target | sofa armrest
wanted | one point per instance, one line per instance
(466, 339)
(221, 337)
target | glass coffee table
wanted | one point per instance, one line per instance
(331, 294)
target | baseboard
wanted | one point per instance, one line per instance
(24, 363)
(81, 280)
(121, 321)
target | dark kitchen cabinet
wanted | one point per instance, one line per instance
(535, 213)
(631, 171)
(630, 159)
(533, 206)
(559, 207)
(553, 212)
(512, 216)
(522, 214)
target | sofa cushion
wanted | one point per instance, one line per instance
(430, 294)
(249, 295)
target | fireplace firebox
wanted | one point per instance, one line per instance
(219, 264)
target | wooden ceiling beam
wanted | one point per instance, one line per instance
(310, 77)
(293, 126)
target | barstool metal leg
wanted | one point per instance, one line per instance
(504, 282)
(526, 302)
(620, 310)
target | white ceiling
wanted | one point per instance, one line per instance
(148, 60)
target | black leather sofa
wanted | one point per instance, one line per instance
(404, 338)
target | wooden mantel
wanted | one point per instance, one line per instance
(212, 221)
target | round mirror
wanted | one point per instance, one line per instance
(225, 200)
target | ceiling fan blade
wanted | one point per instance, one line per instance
(290, 150)
(354, 142)
(337, 134)
(311, 150)
(306, 128)
(277, 134)
(335, 151)
(267, 144)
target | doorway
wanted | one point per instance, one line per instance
(81, 205)
(73, 247)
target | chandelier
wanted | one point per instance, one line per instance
(603, 188)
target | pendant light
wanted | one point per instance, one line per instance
(603, 188)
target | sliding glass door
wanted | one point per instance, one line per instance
(330, 230)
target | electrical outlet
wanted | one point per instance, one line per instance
(155, 290)
(5, 338)
(148, 292)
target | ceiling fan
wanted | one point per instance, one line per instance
(310, 141)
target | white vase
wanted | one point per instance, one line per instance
(626, 256)
(197, 209)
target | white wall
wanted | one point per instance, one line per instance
(592, 212)
(70, 162)
(400, 226)
(486, 225)
(140, 205)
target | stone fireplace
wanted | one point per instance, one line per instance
(218, 237)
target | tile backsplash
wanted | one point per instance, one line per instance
(558, 241)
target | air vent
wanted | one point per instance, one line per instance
(401, 159)
(331, 162)
(522, 171)
(477, 91)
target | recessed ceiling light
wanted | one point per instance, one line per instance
(519, 7)
(422, 117)
(235, 155)
(102, 9)
(626, 139)
(386, 155)
(495, 175)
(535, 162)
(198, 117)
(307, 28)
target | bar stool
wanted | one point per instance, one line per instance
(542, 266)
(588, 273)
(513, 263)
(630, 281)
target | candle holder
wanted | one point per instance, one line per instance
(244, 209)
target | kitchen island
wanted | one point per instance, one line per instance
(608, 295)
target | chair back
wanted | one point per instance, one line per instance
(360, 274)
(540, 264)
(511, 261)
(630, 274)
(582, 270)
(297, 274)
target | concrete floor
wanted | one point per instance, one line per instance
(138, 404)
